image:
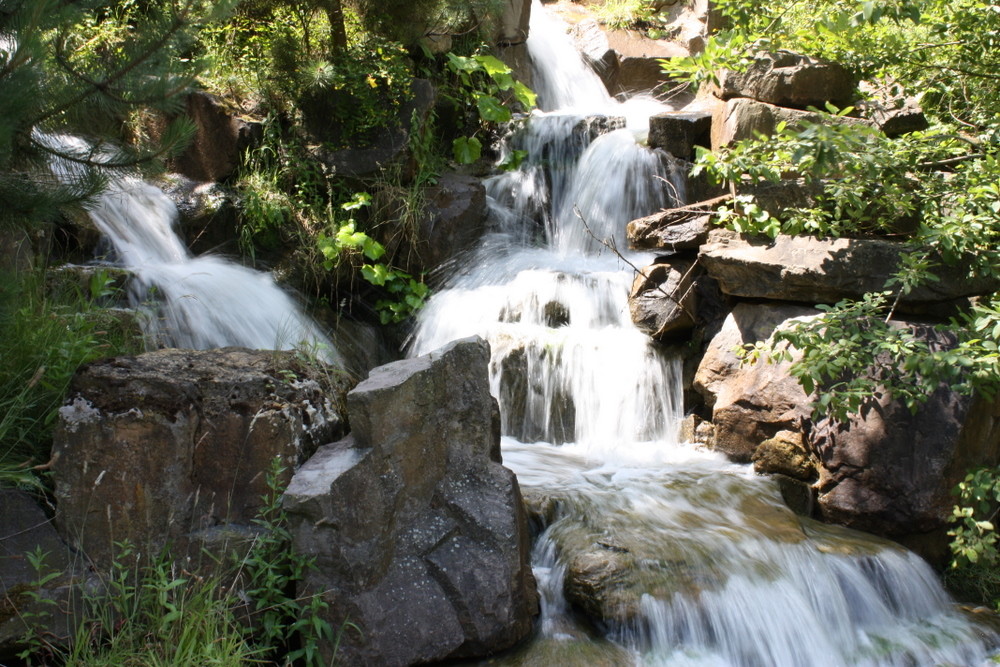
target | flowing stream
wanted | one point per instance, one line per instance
(190, 302)
(676, 556)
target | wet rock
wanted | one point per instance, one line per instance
(419, 534)
(678, 132)
(155, 447)
(527, 416)
(750, 403)
(663, 301)
(593, 43)
(810, 270)
(789, 79)
(207, 213)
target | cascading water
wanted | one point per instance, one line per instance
(682, 557)
(191, 302)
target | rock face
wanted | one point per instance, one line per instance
(158, 447)
(752, 403)
(24, 527)
(663, 300)
(455, 218)
(743, 118)
(890, 471)
(789, 79)
(678, 132)
(811, 270)
(219, 142)
(419, 534)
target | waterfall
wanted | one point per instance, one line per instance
(687, 559)
(191, 302)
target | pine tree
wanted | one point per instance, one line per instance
(86, 68)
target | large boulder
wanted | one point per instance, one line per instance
(750, 403)
(166, 446)
(639, 57)
(419, 534)
(512, 27)
(789, 79)
(890, 470)
(811, 270)
(744, 118)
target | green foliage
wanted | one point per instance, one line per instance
(406, 293)
(283, 624)
(44, 338)
(144, 613)
(851, 355)
(973, 572)
(479, 83)
(150, 612)
(87, 68)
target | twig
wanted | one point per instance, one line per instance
(610, 245)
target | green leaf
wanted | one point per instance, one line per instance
(492, 110)
(467, 149)
(526, 96)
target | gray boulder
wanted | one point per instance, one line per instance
(419, 533)
(678, 132)
(162, 447)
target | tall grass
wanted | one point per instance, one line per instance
(45, 336)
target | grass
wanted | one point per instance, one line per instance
(45, 336)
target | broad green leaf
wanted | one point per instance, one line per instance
(492, 110)
(467, 149)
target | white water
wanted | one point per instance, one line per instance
(730, 576)
(191, 302)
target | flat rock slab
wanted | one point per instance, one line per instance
(810, 270)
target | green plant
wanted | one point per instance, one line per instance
(282, 623)
(973, 571)
(407, 294)
(45, 335)
(146, 612)
(479, 82)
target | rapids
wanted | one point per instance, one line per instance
(677, 556)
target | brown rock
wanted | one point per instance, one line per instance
(811, 270)
(789, 79)
(743, 118)
(220, 140)
(159, 446)
(750, 403)
(784, 454)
